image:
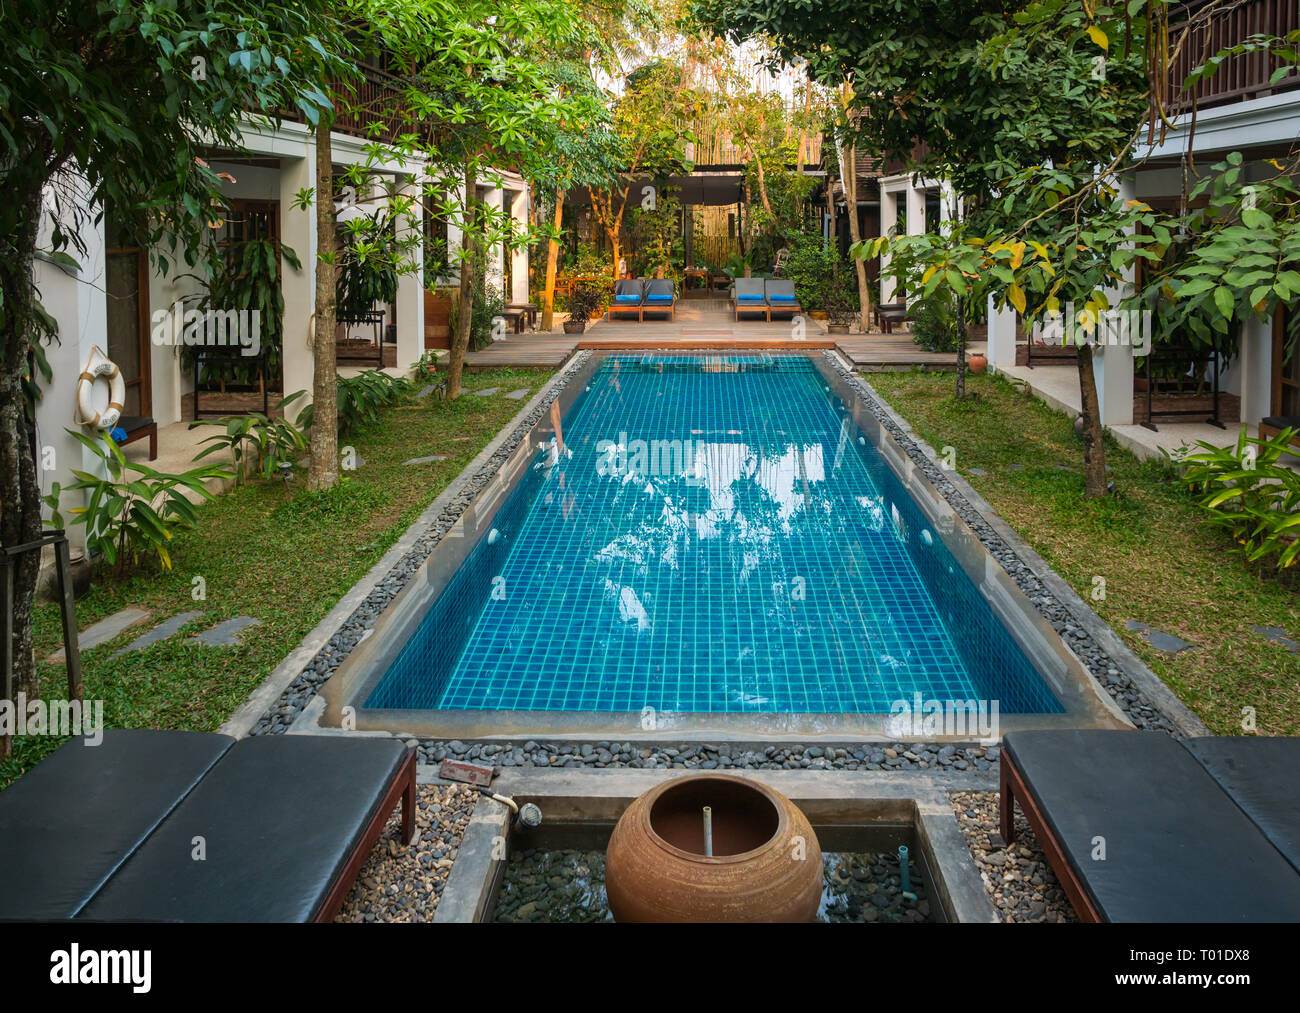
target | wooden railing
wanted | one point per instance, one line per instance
(1244, 77)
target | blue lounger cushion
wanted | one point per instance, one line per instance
(781, 298)
(749, 298)
(627, 298)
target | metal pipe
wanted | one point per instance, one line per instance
(904, 878)
(708, 832)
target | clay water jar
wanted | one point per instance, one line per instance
(978, 363)
(766, 864)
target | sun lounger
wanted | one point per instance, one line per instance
(629, 297)
(781, 297)
(660, 296)
(1141, 828)
(1274, 425)
(749, 296)
(185, 826)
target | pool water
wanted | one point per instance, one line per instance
(710, 535)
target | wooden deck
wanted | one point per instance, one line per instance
(706, 323)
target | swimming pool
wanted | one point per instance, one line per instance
(705, 538)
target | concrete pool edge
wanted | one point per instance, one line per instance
(1144, 680)
(1085, 703)
(835, 798)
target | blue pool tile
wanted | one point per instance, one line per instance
(754, 558)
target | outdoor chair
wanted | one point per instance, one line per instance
(629, 297)
(660, 295)
(888, 314)
(139, 427)
(1201, 830)
(781, 297)
(749, 296)
(108, 832)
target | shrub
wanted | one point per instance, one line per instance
(254, 439)
(362, 398)
(1249, 495)
(811, 264)
(130, 517)
(935, 322)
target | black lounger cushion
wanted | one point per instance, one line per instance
(1260, 775)
(1178, 849)
(279, 816)
(74, 818)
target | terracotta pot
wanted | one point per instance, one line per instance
(977, 363)
(766, 864)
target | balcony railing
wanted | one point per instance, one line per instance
(1239, 78)
(359, 104)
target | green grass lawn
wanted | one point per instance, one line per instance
(1162, 564)
(283, 557)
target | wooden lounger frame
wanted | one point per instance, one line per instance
(1012, 790)
(402, 789)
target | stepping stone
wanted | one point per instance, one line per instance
(1015, 467)
(1278, 636)
(105, 630)
(224, 634)
(428, 460)
(518, 395)
(167, 628)
(427, 390)
(976, 471)
(1166, 642)
(486, 391)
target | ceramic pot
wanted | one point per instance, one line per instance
(766, 864)
(574, 326)
(977, 363)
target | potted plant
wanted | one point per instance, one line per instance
(583, 302)
(841, 303)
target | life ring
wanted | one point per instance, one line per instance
(100, 367)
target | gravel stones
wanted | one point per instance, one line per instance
(1018, 879)
(895, 756)
(401, 883)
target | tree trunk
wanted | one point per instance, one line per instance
(323, 471)
(552, 259)
(468, 275)
(20, 494)
(961, 347)
(1094, 448)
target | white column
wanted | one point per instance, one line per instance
(519, 280)
(916, 224)
(298, 231)
(1002, 335)
(888, 220)
(410, 286)
(1254, 368)
(1112, 357)
(495, 273)
(78, 304)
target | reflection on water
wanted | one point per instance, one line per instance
(709, 540)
